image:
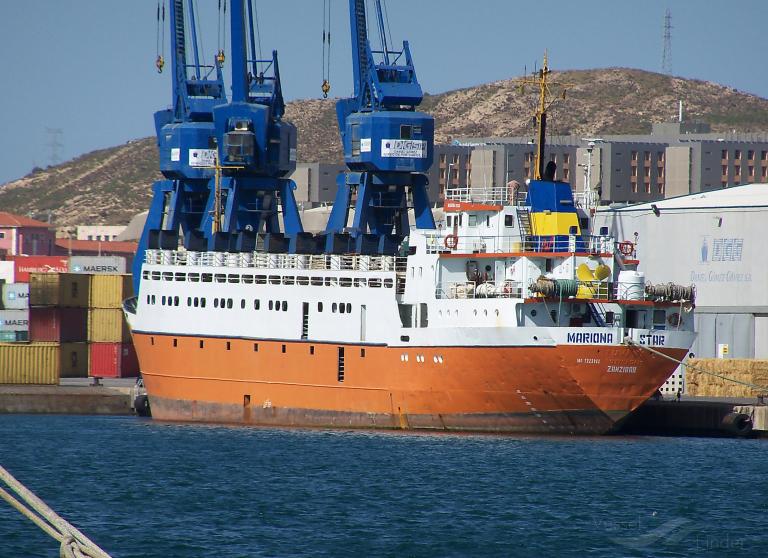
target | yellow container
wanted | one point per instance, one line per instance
(58, 289)
(109, 291)
(73, 358)
(107, 325)
(29, 363)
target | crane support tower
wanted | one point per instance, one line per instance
(388, 145)
(224, 162)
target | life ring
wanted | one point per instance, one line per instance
(626, 248)
(451, 241)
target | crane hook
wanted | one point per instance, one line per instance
(159, 63)
(220, 57)
(326, 88)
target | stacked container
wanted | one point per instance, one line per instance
(14, 312)
(58, 314)
(29, 363)
(111, 353)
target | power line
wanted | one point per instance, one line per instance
(666, 56)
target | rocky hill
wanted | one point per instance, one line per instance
(111, 185)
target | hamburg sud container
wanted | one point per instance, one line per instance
(59, 325)
(15, 296)
(30, 363)
(24, 265)
(109, 291)
(59, 289)
(113, 360)
(73, 359)
(110, 265)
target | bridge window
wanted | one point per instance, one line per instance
(406, 131)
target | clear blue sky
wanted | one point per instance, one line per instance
(87, 66)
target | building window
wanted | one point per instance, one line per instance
(737, 154)
(634, 155)
(751, 155)
(724, 154)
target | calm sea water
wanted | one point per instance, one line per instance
(145, 489)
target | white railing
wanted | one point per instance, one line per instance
(259, 260)
(445, 242)
(487, 289)
(496, 195)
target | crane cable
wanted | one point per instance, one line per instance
(221, 29)
(326, 87)
(74, 544)
(160, 37)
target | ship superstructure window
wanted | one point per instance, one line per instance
(196, 302)
(256, 304)
(261, 279)
(202, 344)
(242, 303)
(317, 281)
(334, 307)
(248, 279)
(215, 302)
(189, 301)
(283, 349)
(233, 278)
(229, 345)
(167, 276)
(194, 277)
(319, 306)
(271, 304)
(342, 308)
(175, 342)
(388, 283)
(255, 347)
(289, 280)
(180, 276)
(376, 283)
(202, 303)
(302, 280)
(285, 306)
(220, 278)
(144, 274)
(274, 279)
(360, 282)
(206, 277)
(311, 349)
(345, 282)
(230, 302)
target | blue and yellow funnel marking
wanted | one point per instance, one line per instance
(553, 212)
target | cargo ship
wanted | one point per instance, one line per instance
(508, 318)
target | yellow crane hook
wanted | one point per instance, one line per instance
(326, 88)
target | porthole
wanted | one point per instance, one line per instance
(533, 313)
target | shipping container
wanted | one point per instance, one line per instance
(59, 289)
(109, 291)
(113, 360)
(7, 271)
(14, 336)
(58, 324)
(29, 363)
(24, 265)
(110, 265)
(15, 296)
(107, 325)
(14, 320)
(73, 358)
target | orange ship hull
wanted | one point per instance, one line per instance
(563, 389)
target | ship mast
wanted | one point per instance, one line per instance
(540, 81)
(541, 120)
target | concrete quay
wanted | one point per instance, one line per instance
(74, 397)
(699, 416)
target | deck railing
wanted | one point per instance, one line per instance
(487, 289)
(257, 260)
(439, 242)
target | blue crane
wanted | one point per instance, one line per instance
(224, 162)
(388, 144)
(185, 136)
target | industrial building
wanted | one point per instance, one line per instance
(711, 240)
(675, 159)
(316, 183)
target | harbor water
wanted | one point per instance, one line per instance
(146, 489)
